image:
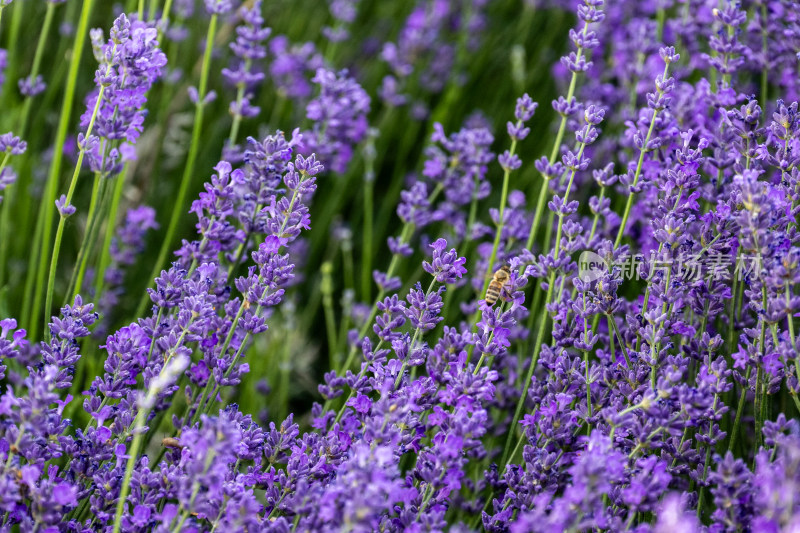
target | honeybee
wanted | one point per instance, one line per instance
(499, 279)
(171, 442)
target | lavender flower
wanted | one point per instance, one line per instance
(10, 145)
(339, 113)
(647, 381)
(129, 63)
(446, 267)
(248, 48)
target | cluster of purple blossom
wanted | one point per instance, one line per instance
(657, 404)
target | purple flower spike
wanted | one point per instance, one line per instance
(218, 7)
(64, 209)
(130, 62)
(31, 86)
(340, 118)
(446, 267)
(11, 144)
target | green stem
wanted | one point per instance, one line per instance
(789, 319)
(201, 407)
(151, 12)
(500, 220)
(497, 234)
(611, 343)
(27, 301)
(613, 323)
(562, 127)
(62, 219)
(701, 488)
(5, 223)
(13, 37)
(188, 173)
(405, 235)
(739, 411)
(665, 310)
(765, 55)
(111, 222)
(366, 234)
(327, 305)
(89, 236)
(660, 19)
(164, 17)
(237, 118)
(47, 210)
(133, 454)
(528, 376)
(639, 164)
(41, 45)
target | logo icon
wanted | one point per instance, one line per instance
(591, 266)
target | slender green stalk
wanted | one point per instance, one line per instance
(188, 174)
(111, 223)
(701, 489)
(33, 258)
(152, 10)
(587, 333)
(89, 244)
(4, 222)
(613, 323)
(133, 455)
(369, 155)
(63, 219)
(237, 117)
(347, 263)
(143, 411)
(765, 55)
(201, 407)
(366, 240)
(417, 333)
(1, 13)
(5, 162)
(41, 45)
(528, 376)
(666, 309)
(739, 411)
(89, 223)
(284, 371)
(660, 19)
(47, 209)
(17, 11)
(21, 131)
(405, 235)
(500, 217)
(540, 335)
(162, 23)
(759, 422)
(639, 164)
(790, 320)
(327, 304)
(562, 128)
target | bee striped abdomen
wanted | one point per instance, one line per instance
(494, 289)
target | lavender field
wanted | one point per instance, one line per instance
(412, 265)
